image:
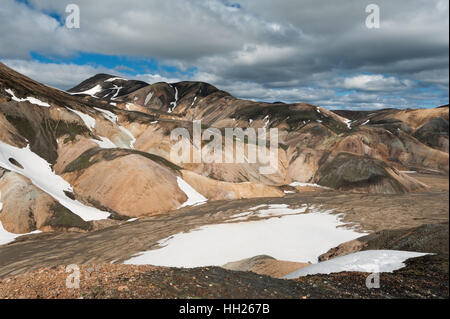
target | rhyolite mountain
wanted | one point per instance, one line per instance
(106, 143)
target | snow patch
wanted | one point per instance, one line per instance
(362, 261)
(299, 238)
(133, 139)
(30, 99)
(193, 196)
(266, 120)
(174, 104)
(148, 98)
(348, 123)
(307, 185)
(117, 88)
(104, 142)
(88, 120)
(110, 116)
(115, 78)
(92, 91)
(40, 173)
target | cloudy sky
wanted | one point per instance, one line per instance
(315, 51)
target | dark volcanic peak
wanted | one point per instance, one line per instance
(90, 82)
(201, 89)
(107, 86)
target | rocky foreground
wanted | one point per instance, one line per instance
(425, 277)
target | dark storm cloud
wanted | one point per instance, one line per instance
(315, 51)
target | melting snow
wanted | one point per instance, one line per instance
(174, 104)
(118, 88)
(348, 123)
(363, 261)
(366, 122)
(32, 100)
(113, 118)
(96, 89)
(133, 139)
(87, 119)
(266, 120)
(104, 142)
(40, 173)
(306, 184)
(148, 98)
(115, 78)
(108, 115)
(300, 238)
(193, 196)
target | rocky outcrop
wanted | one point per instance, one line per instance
(266, 265)
(434, 133)
(429, 238)
(218, 190)
(351, 172)
(127, 182)
(26, 208)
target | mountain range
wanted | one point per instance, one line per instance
(84, 159)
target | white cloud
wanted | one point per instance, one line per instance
(66, 76)
(62, 76)
(376, 82)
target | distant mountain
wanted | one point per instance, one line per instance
(106, 86)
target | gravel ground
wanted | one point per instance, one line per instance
(425, 277)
